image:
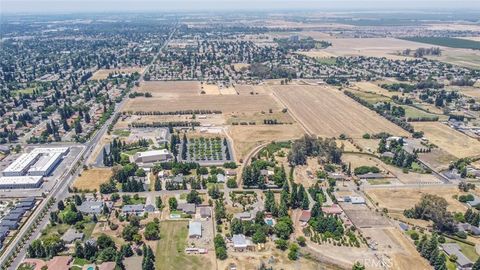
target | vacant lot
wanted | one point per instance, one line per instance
(92, 179)
(174, 101)
(245, 138)
(450, 140)
(328, 112)
(102, 74)
(171, 249)
(447, 42)
(171, 89)
(397, 200)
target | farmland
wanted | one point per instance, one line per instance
(447, 42)
(328, 112)
(170, 249)
(451, 141)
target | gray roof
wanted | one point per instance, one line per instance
(454, 248)
(149, 208)
(187, 207)
(71, 235)
(194, 228)
(178, 178)
(13, 216)
(3, 232)
(129, 208)
(18, 210)
(239, 240)
(9, 224)
(220, 177)
(205, 212)
(476, 200)
(403, 226)
(243, 215)
(91, 207)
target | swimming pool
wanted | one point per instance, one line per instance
(91, 268)
(269, 222)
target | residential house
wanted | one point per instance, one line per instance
(187, 208)
(10, 224)
(305, 216)
(71, 235)
(205, 212)
(91, 207)
(454, 249)
(240, 242)
(220, 178)
(135, 209)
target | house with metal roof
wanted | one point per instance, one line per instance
(454, 249)
(13, 217)
(91, 207)
(205, 212)
(10, 224)
(240, 242)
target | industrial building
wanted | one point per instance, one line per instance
(152, 156)
(39, 162)
(14, 182)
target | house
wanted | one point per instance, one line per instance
(194, 229)
(13, 217)
(465, 227)
(220, 178)
(149, 208)
(178, 179)
(475, 202)
(334, 209)
(17, 210)
(59, 263)
(187, 208)
(71, 235)
(10, 224)
(244, 216)
(230, 173)
(305, 216)
(4, 149)
(136, 209)
(354, 199)
(28, 202)
(454, 249)
(3, 233)
(205, 212)
(370, 175)
(91, 207)
(240, 242)
(387, 155)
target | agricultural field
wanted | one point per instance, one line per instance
(461, 57)
(245, 138)
(450, 140)
(170, 89)
(102, 74)
(328, 112)
(447, 42)
(374, 87)
(397, 200)
(370, 97)
(170, 252)
(92, 179)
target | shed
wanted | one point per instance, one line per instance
(194, 229)
(239, 242)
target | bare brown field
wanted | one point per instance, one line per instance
(318, 54)
(328, 112)
(249, 90)
(373, 47)
(461, 57)
(245, 138)
(225, 103)
(92, 179)
(210, 119)
(171, 89)
(437, 159)
(397, 200)
(210, 89)
(102, 74)
(454, 26)
(450, 140)
(473, 92)
(374, 87)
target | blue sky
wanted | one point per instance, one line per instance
(48, 6)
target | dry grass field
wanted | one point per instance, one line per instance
(92, 179)
(450, 140)
(473, 92)
(397, 200)
(171, 89)
(374, 87)
(245, 138)
(102, 74)
(328, 112)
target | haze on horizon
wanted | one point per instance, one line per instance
(59, 6)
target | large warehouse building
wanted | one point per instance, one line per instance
(29, 168)
(152, 156)
(14, 182)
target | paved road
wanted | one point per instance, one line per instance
(60, 190)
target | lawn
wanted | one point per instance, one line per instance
(59, 229)
(411, 112)
(88, 229)
(378, 181)
(219, 185)
(25, 91)
(371, 98)
(327, 61)
(170, 252)
(132, 200)
(80, 262)
(133, 151)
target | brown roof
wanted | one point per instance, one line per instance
(305, 216)
(59, 263)
(107, 266)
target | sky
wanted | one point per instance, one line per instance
(55, 6)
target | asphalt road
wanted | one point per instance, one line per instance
(60, 190)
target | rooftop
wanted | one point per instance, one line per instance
(20, 180)
(194, 228)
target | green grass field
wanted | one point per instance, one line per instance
(370, 97)
(447, 42)
(171, 249)
(121, 132)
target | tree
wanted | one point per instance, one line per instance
(152, 231)
(172, 202)
(220, 247)
(194, 197)
(358, 266)
(301, 241)
(126, 250)
(60, 205)
(148, 262)
(284, 227)
(281, 244)
(104, 241)
(293, 252)
(259, 236)
(79, 251)
(476, 265)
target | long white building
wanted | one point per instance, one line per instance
(152, 156)
(14, 182)
(39, 162)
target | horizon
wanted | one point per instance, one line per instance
(32, 7)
